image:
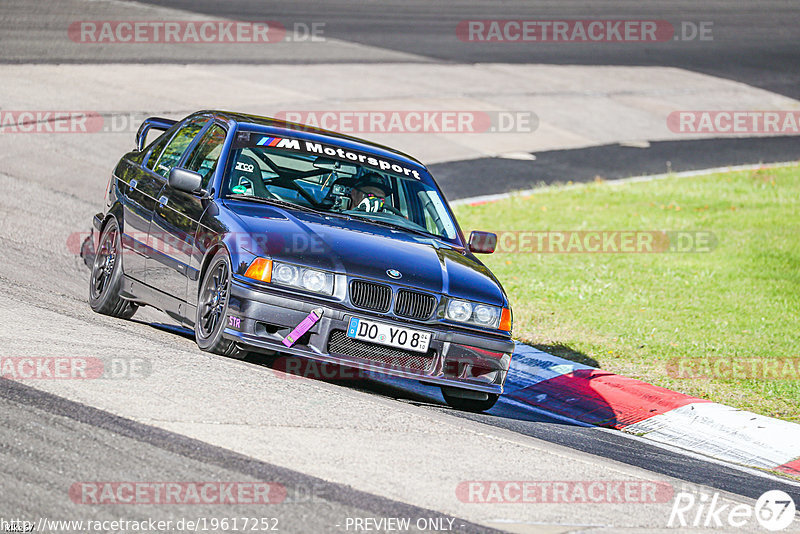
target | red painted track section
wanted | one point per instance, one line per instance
(792, 468)
(601, 398)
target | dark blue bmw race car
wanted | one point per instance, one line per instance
(267, 236)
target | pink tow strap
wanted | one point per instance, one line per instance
(304, 326)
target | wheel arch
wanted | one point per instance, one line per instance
(115, 212)
(209, 256)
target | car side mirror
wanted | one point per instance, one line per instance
(482, 242)
(185, 180)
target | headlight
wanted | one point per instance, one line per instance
(464, 311)
(286, 274)
(485, 314)
(459, 310)
(314, 280)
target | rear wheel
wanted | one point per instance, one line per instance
(212, 309)
(106, 278)
(469, 401)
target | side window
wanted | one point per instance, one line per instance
(176, 147)
(205, 155)
(410, 203)
(157, 148)
(430, 224)
(434, 208)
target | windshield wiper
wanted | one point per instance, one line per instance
(286, 203)
(387, 224)
(273, 201)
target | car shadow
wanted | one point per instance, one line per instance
(87, 250)
(524, 404)
(297, 367)
(182, 331)
(568, 353)
(566, 399)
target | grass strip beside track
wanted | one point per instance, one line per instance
(730, 317)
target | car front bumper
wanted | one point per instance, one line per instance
(261, 319)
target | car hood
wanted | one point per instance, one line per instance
(360, 249)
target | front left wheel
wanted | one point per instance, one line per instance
(212, 309)
(106, 278)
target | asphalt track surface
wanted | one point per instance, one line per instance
(753, 42)
(466, 179)
(55, 435)
(314, 505)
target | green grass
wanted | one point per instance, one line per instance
(632, 313)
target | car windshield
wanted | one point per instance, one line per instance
(335, 180)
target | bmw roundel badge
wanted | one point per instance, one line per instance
(394, 273)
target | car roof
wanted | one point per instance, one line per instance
(310, 132)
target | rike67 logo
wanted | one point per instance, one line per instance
(774, 510)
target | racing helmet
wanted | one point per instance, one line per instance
(371, 202)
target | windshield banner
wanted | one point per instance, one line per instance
(311, 147)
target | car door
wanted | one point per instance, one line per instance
(138, 189)
(177, 216)
(157, 262)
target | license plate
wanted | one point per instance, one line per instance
(390, 335)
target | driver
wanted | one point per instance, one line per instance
(369, 193)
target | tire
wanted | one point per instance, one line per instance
(454, 399)
(212, 309)
(106, 277)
